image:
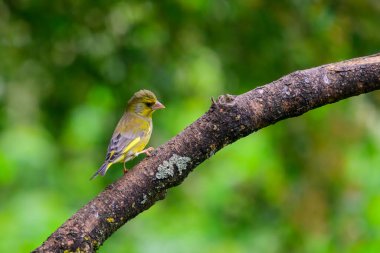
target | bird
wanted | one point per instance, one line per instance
(133, 131)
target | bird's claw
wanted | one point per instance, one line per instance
(148, 150)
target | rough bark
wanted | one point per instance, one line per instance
(228, 119)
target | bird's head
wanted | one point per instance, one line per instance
(144, 103)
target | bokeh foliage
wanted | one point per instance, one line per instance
(67, 68)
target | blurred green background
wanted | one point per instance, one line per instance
(67, 69)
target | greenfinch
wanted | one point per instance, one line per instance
(133, 131)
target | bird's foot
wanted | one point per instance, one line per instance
(146, 151)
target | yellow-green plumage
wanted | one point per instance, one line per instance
(133, 131)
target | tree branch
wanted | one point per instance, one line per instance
(228, 119)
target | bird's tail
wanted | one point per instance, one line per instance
(102, 170)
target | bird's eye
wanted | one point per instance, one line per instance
(149, 104)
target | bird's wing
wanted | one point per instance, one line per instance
(120, 144)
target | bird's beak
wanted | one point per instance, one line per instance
(158, 106)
